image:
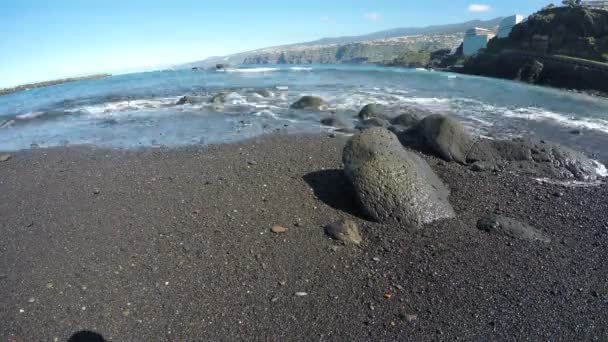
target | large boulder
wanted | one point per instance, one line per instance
(392, 183)
(447, 137)
(534, 157)
(309, 103)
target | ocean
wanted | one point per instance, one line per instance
(140, 110)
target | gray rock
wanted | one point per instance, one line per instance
(446, 137)
(393, 184)
(408, 119)
(501, 225)
(373, 122)
(347, 231)
(369, 111)
(534, 157)
(478, 167)
(309, 103)
(219, 98)
(5, 157)
(184, 100)
(334, 121)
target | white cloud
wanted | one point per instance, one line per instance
(372, 16)
(479, 8)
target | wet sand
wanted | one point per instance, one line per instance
(174, 245)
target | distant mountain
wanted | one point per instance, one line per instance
(407, 31)
(437, 36)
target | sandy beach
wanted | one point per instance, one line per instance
(176, 245)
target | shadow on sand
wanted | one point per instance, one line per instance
(86, 336)
(334, 189)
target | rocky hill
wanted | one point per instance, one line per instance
(564, 47)
(374, 47)
(570, 31)
(375, 51)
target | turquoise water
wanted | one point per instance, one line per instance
(137, 110)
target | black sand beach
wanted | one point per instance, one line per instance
(175, 245)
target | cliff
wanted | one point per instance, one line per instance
(563, 47)
(376, 51)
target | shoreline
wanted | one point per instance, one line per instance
(176, 244)
(29, 86)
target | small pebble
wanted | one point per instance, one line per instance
(376, 259)
(301, 294)
(279, 230)
(31, 300)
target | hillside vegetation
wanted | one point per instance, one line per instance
(376, 51)
(557, 46)
(570, 31)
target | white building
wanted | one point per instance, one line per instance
(507, 24)
(476, 39)
(597, 4)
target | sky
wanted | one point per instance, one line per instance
(48, 39)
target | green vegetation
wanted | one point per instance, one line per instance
(413, 59)
(570, 31)
(416, 49)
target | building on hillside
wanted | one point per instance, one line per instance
(597, 4)
(476, 39)
(507, 24)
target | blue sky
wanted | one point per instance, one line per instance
(47, 39)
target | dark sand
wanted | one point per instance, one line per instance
(175, 245)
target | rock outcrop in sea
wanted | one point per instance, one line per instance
(309, 103)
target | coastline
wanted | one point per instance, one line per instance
(175, 244)
(24, 87)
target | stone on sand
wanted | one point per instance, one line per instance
(347, 231)
(447, 137)
(502, 225)
(392, 183)
(279, 229)
(5, 157)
